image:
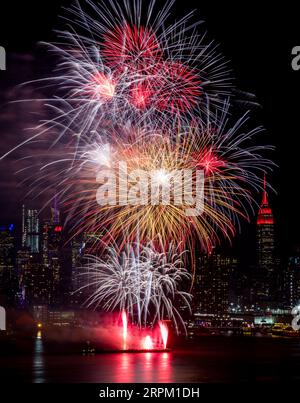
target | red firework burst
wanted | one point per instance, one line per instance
(179, 87)
(131, 47)
(209, 162)
(141, 94)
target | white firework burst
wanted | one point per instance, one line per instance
(142, 280)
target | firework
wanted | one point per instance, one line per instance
(133, 48)
(179, 88)
(231, 165)
(164, 333)
(144, 281)
(114, 65)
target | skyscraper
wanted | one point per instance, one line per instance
(77, 279)
(265, 252)
(212, 283)
(265, 234)
(53, 256)
(22, 265)
(30, 229)
(39, 261)
(23, 226)
(36, 287)
(291, 282)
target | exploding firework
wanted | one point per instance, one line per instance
(231, 165)
(120, 65)
(143, 281)
(179, 88)
(133, 48)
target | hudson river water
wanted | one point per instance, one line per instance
(205, 360)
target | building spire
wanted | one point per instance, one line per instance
(265, 215)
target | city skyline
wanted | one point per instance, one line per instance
(44, 261)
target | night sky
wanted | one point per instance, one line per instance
(257, 41)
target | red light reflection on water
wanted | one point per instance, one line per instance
(143, 367)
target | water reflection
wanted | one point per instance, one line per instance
(211, 360)
(38, 364)
(143, 367)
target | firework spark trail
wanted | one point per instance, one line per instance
(141, 280)
(164, 333)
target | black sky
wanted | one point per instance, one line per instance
(256, 40)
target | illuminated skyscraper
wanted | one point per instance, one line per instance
(291, 282)
(23, 226)
(30, 230)
(212, 283)
(36, 287)
(265, 250)
(265, 234)
(77, 279)
(55, 262)
(22, 265)
(52, 257)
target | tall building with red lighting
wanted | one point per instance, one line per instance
(265, 248)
